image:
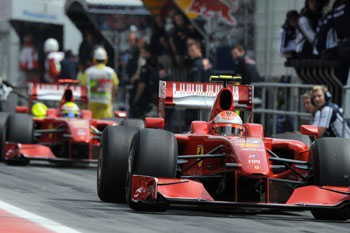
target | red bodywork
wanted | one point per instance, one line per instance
(58, 138)
(243, 170)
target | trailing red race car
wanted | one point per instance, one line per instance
(223, 162)
(60, 134)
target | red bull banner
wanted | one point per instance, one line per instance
(223, 22)
(224, 10)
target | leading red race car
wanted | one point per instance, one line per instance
(223, 162)
(54, 134)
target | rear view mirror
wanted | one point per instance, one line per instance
(155, 123)
(21, 109)
(309, 130)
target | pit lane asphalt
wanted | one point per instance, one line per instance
(68, 196)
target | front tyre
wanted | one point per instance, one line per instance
(153, 153)
(113, 162)
(330, 166)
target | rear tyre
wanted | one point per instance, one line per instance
(3, 131)
(329, 166)
(113, 162)
(298, 137)
(20, 130)
(134, 123)
(153, 153)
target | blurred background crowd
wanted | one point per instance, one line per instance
(175, 40)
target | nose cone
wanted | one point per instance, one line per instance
(80, 130)
(252, 155)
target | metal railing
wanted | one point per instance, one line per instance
(346, 101)
(272, 94)
(292, 97)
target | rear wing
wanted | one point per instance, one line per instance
(54, 92)
(200, 95)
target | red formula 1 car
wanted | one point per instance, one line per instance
(223, 162)
(54, 136)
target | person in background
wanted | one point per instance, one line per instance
(102, 83)
(178, 39)
(306, 29)
(52, 61)
(85, 51)
(309, 107)
(328, 116)
(200, 68)
(146, 92)
(129, 62)
(141, 61)
(28, 63)
(69, 66)
(131, 56)
(244, 65)
(160, 43)
(287, 35)
(28, 57)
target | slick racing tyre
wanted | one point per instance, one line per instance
(113, 162)
(20, 128)
(329, 162)
(298, 137)
(3, 131)
(153, 153)
(329, 166)
(134, 123)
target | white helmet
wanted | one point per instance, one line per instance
(228, 123)
(100, 54)
(50, 45)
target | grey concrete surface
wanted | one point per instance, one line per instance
(68, 196)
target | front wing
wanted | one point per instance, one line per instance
(18, 151)
(148, 189)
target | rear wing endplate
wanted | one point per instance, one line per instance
(191, 95)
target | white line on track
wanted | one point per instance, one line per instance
(44, 222)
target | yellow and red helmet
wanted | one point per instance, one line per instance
(228, 123)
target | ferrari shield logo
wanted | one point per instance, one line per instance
(50, 127)
(200, 151)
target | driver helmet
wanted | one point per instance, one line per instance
(228, 123)
(70, 110)
(39, 110)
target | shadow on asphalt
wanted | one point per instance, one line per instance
(249, 213)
